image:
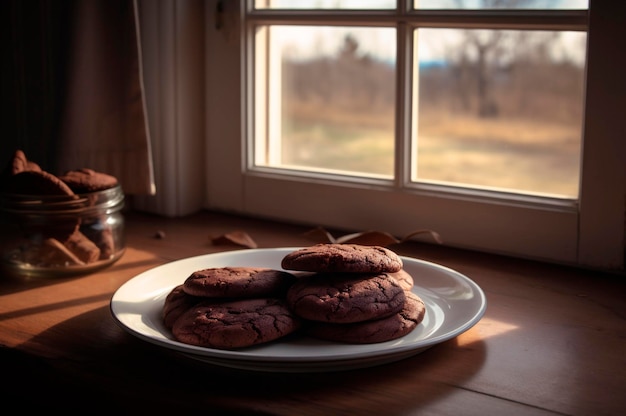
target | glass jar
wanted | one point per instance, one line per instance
(43, 235)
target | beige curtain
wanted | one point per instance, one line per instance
(74, 78)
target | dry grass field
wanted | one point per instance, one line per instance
(517, 128)
(524, 155)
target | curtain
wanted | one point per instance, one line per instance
(72, 88)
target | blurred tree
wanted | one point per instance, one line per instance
(482, 54)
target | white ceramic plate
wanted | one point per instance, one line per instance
(454, 303)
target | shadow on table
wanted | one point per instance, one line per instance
(90, 359)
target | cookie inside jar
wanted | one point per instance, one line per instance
(54, 225)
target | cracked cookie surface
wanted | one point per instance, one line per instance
(238, 282)
(345, 297)
(379, 330)
(235, 324)
(342, 258)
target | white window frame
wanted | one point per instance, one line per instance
(590, 233)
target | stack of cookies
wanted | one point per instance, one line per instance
(343, 293)
(231, 307)
(353, 293)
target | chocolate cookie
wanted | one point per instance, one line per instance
(83, 248)
(342, 258)
(83, 181)
(404, 278)
(52, 252)
(235, 324)
(101, 232)
(33, 182)
(176, 303)
(346, 297)
(379, 330)
(40, 185)
(19, 163)
(238, 282)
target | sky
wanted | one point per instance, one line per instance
(305, 42)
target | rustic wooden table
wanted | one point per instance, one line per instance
(552, 341)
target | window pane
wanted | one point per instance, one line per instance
(500, 109)
(501, 4)
(329, 101)
(325, 4)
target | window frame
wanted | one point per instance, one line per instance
(586, 234)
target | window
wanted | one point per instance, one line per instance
(543, 177)
(489, 107)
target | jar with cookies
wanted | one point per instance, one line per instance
(58, 225)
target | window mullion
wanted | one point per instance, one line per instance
(575, 20)
(404, 94)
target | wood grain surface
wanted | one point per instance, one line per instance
(552, 341)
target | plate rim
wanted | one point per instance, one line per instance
(243, 357)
